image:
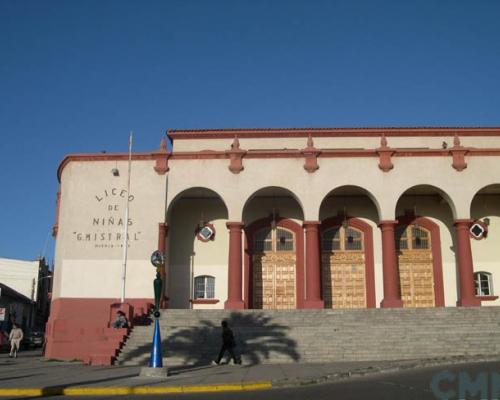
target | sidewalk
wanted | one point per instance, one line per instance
(30, 374)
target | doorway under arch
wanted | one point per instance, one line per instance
(274, 259)
(347, 261)
(418, 249)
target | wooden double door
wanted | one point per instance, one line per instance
(274, 269)
(343, 268)
(416, 268)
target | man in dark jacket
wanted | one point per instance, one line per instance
(228, 344)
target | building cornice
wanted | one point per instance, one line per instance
(242, 133)
(263, 154)
(310, 153)
(155, 156)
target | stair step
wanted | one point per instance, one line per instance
(191, 336)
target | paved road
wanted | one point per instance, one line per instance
(405, 385)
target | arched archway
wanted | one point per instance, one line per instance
(425, 199)
(272, 200)
(191, 254)
(424, 241)
(418, 247)
(347, 263)
(485, 209)
(274, 259)
(274, 250)
(351, 200)
(198, 192)
(348, 271)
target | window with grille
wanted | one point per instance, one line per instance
(339, 238)
(353, 239)
(420, 238)
(204, 287)
(412, 237)
(483, 283)
(401, 238)
(263, 240)
(279, 239)
(284, 240)
(331, 239)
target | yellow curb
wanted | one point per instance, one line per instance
(20, 392)
(117, 391)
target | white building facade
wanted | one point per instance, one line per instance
(280, 219)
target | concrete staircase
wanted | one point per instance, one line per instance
(193, 336)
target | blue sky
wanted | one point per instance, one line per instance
(77, 76)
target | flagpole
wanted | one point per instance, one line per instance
(125, 236)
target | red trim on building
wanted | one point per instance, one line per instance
(79, 328)
(487, 298)
(392, 296)
(204, 301)
(55, 228)
(299, 256)
(161, 167)
(437, 263)
(234, 272)
(310, 154)
(201, 238)
(107, 157)
(236, 163)
(467, 295)
(385, 153)
(235, 157)
(367, 245)
(484, 226)
(329, 132)
(329, 153)
(458, 153)
(314, 297)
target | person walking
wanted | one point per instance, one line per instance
(228, 343)
(15, 337)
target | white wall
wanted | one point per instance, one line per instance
(89, 245)
(22, 276)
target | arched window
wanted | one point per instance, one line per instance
(204, 287)
(340, 238)
(412, 237)
(279, 239)
(263, 240)
(284, 240)
(484, 283)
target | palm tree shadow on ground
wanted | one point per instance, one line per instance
(257, 338)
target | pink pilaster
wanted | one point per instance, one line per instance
(234, 290)
(313, 266)
(392, 297)
(467, 296)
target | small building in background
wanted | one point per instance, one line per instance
(24, 296)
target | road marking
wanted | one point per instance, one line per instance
(128, 390)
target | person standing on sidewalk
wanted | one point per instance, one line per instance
(228, 343)
(15, 337)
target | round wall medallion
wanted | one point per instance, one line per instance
(478, 230)
(205, 232)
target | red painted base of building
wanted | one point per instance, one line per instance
(469, 302)
(81, 328)
(314, 304)
(234, 305)
(391, 303)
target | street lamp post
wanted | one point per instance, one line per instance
(156, 368)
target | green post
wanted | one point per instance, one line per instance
(157, 283)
